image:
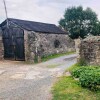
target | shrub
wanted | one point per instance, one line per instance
(77, 72)
(90, 79)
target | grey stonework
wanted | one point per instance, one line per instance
(29, 44)
(41, 44)
(1, 47)
(47, 46)
(90, 50)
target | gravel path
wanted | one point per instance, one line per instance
(20, 81)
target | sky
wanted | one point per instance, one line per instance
(47, 11)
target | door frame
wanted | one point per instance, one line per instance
(14, 57)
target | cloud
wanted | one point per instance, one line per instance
(49, 11)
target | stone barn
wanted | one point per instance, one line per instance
(26, 40)
(1, 46)
(90, 50)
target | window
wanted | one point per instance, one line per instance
(56, 43)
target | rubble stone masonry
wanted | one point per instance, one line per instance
(42, 44)
(90, 50)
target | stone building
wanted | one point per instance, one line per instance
(26, 40)
(90, 50)
(1, 46)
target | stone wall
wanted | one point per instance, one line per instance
(90, 50)
(47, 46)
(29, 44)
(1, 47)
(40, 44)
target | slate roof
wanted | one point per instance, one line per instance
(36, 26)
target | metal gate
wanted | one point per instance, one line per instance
(13, 39)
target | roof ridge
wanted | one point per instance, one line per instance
(30, 21)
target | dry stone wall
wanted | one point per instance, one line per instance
(90, 50)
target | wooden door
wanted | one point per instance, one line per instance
(13, 39)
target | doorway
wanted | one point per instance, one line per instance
(13, 40)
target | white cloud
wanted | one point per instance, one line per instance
(49, 11)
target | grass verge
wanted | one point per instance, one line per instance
(46, 58)
(67, 88)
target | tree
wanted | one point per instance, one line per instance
(78, 22)
(96, 29)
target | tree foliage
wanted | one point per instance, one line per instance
(79, 22)
(96, 29)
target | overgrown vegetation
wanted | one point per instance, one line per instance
(84, 84)
(78, 71)
(48, 57)
(88, 77)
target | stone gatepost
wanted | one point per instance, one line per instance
(1, 48)
(90, 50)
(29, 46)
(77, 47)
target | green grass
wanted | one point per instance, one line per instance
(48, 57)
(69, 89)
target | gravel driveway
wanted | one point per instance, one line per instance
(20, 81)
